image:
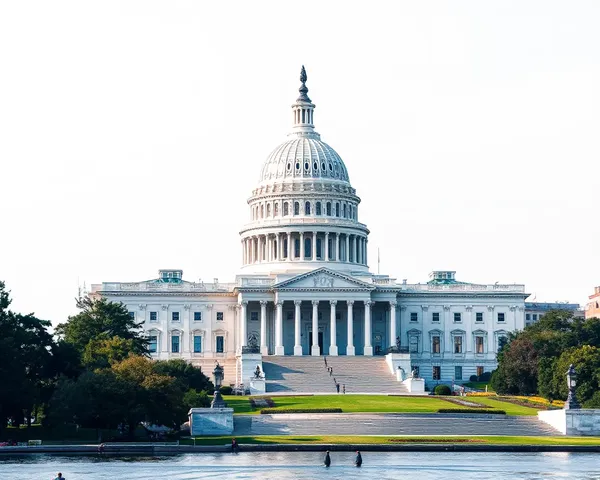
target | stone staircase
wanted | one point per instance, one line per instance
(208, 365)
(288, 374)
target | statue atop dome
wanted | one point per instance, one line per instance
(303, 90)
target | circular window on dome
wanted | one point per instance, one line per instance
(323, 166)
(305, 165)
(289, 166)
(315, 165)
(330, 167)
(297, 165)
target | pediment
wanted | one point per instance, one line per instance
(323, 279)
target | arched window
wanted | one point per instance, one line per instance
(318, 208)
(307, 208)
(328, 209)
(350, 211)
(337, 209)
(344, 210)
(308, 248)
(276, 209)
(296, 208)
(286, 209)
(268, 209)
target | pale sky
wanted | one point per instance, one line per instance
(132, 134)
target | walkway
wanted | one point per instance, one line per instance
(389, 424)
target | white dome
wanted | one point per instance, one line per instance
(304, 156)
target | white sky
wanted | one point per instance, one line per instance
(132, 133)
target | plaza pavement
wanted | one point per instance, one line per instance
(390, 424)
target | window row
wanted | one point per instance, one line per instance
(435, 317)
(436, 371)
(318, 208)
(176, 316)
(176, 344)
(457, 343)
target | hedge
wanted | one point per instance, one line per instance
(300, 410)
(226, 390)
(442, 390)
(471, 410)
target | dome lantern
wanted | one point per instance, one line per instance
(304, 110)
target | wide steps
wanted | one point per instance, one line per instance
(307, 374)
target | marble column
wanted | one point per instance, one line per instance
(326, 246)
(347, 255)
(337, 247)
(302, 252)
(393, 333)
(243, 335)
(314, 247)
(333, 349)
(279, 329)
(297, 344)
(355, 248)
(264, 347)
(368, 345)
(350, 350)
(315, 350)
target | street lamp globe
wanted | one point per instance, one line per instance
(571, 403)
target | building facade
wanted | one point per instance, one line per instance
(534, 311)
(304, 287)
(593, 307)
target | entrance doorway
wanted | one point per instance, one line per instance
(320, 341)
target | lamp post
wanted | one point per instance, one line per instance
(572, 403)
(218, 401)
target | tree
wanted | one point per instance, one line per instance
(586, 360)
(25, 362)
(517, 368)
(189, 376)
(101, 319)
(195, 399)
(104, 352)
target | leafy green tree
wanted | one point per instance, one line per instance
(101, 319)
(104, 352)
(25, 362)
(586, 360)
(517, 368)
(191, 377)
(195, 399)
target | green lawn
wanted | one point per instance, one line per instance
(373, 403)
(479, 386)
(374, 439)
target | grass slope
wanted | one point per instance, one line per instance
(374, 404)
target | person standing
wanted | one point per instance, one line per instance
(344, 389)
(59, 476)
(327, 461)
(358, 459)
(337, 387)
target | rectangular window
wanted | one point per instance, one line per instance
(437, 372)
(457, 317)
(479, 344)
(479, 316)
(337, 209)
(435, 344)
(132, 315)
(220, 316)
(527, 316)
(175, 344)
(414, 344)
(457, 373)
(413, 316)
(479, 371)
(458, 344)
(435, 317)
(220, 343)
(318, 208)
(500, 317)
(197, 316)
(197, 344)
(254, 316)
(175, 316)
(152, 343)
(153, 316)
(535, 317)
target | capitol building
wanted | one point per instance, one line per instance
(305, 287)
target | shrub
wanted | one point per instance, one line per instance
(473, 378)
(471, 410)
(300, 410)
(442, 390)
(226, 390)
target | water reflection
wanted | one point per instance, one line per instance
(307, 465)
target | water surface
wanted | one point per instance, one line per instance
(307, 465)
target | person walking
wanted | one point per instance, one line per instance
(327, 461)
(358, 459)
(344, 389)
(59, 476)
(325, 359)
(337, 387)
(330, 371)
